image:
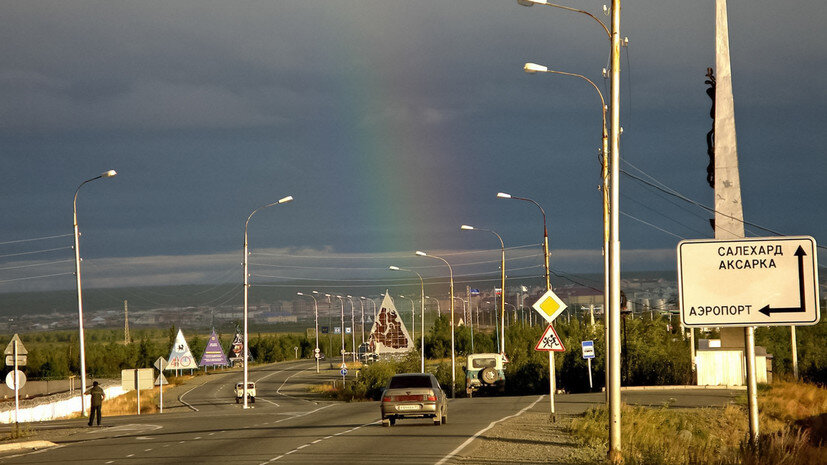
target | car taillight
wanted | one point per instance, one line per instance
(431, 397)
(386, 399)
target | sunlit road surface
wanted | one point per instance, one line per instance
(288, 425)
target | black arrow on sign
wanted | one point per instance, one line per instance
(801, 308)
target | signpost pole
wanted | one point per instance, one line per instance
(551, 383)
(161, 400)
(795, 352)
(16, 388)
(589, 362)
(137, 391)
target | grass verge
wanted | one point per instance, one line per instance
(792, 421)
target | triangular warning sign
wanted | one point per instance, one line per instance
(20, 349)
(180, 357)
(161, 380)
(389, 334)
(550, 341)
(213, 353)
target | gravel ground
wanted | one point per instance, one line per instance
(529, 438)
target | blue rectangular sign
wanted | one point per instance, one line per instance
(588, 349)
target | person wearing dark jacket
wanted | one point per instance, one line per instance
(97, 401)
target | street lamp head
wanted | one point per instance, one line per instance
(532, 68)
(362, 297)
(393, 268)
(466, 227)
(109, 174)
(289, 198)
(349, 296)
(299, 293)
(421, 253)
(327, 295)
(525, 2)
(503, 195)
(315, 292)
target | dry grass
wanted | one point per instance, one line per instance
(711, 436)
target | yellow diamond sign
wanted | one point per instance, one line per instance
(549, 306)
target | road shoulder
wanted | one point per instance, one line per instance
(529, 438)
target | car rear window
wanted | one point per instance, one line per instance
(484, 363)
(399, 382)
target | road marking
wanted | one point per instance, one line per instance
(456, 451)
(147, 450)
(130, 455)
(317, 440)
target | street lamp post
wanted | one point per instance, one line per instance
(316, 312)
(466, 227)
(342, 331)
(420, 253)
(362, 304)
(438, 312)
(613, 252)
(413, 318)
(107, 174)
(352, 328)
(247, 286)
(421, 312)
(546, 253)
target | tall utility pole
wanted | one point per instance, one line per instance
(615, 455)
(125, 323)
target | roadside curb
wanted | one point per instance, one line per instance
(678, 387)
(33, 445)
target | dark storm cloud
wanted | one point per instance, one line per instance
(209, 109)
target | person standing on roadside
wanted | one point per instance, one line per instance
(97, 401)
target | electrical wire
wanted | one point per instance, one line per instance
(36, 277)
(35, 239)
(36, 264)
(34, 252)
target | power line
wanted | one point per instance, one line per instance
(35, 239)
(34, 252)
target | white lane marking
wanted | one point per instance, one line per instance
(197, 438)
(181, 398)
(111, 461)
(266, 400)
(147, 450)
(318, 441)
(130, 455)
(456, 451)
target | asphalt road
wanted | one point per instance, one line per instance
(203, 424)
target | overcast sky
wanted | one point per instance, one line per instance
(391, 123)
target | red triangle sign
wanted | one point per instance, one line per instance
(550, 341)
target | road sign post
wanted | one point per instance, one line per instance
(549, 306)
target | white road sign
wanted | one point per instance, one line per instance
(21, 379)
(20, 349)
(767, 281)
(549, 306)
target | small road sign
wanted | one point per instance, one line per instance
(588, 349)
(317, 355)
(550, 341)
(549, 306)
(161, 380)
(20, 349)
(21, 360)
(21, 379)
(764, 281)
(316, 350)
(160, 364)
(343, 371)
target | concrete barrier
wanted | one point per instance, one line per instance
(53, 410)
